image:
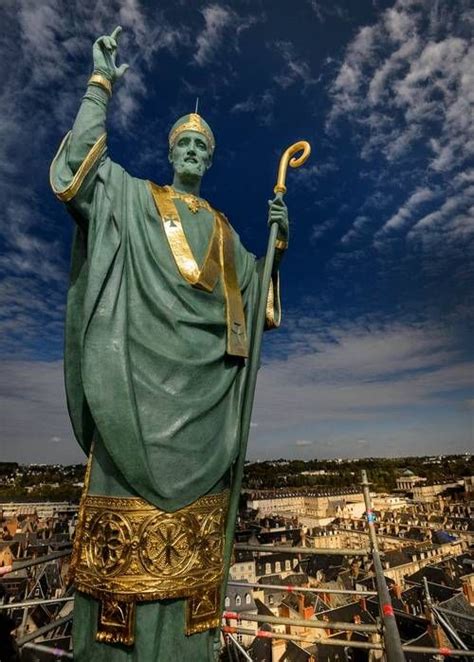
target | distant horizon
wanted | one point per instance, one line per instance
(279, 459)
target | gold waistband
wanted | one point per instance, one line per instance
(137, 552)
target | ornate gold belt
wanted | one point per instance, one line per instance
(129, 551)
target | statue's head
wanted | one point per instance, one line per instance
(191, 146)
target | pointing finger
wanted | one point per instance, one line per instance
(116, 33)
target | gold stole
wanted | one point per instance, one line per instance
(219, 262)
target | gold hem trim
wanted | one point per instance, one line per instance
(236, 326)
(133, 551)
(273, 308)
(95, 152)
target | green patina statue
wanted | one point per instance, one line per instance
(160, 310)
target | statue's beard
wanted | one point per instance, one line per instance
(189, 172)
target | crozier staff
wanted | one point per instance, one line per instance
(160, 308)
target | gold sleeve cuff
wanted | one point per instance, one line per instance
(273, 310)
(281, 245)
(95, 152)
(101, 81)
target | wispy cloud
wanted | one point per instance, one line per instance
(421, 196)
(295, 69)
(220, 21)
(35, 424)
(357, 374)
(47, 54)
(261, 105)
(404, 91)
(325, 10)
(404, 75)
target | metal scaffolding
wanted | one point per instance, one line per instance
(391, 636)
(390, 643)
(383, 635)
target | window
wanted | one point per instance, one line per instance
(227, 601)
(271, 600)
(248, 599)
(287, 564)
(238, 600)
(268, 569)
(278, 566)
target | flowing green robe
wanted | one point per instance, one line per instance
(147, 374)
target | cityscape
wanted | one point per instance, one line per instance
(303, 583)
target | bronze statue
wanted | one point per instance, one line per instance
(161, 307)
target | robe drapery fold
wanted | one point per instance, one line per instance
(148, 378)
(146, 363)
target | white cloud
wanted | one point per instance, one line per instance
(405, 213)
(47, 56)
(396, 80)
(344, 377)
(261, 105)
(326, 10)
(359, 373)
(357, 230)
(219, 21)
(216, 19)
(35, 424)
(406, 88)
(295, 69)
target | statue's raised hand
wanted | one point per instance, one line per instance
(104, 53)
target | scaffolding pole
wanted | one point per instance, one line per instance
(57, 652)
(303, 622)
(347, 643)
(31, 636)
(302, 589)
(20, 565)
(311, 551)
(35, 603)
(439, 618)
(392, 642)
(242, 650)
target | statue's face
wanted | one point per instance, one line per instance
(190, 156)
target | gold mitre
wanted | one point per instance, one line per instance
(192, 122)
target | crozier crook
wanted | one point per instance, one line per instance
(288, 158)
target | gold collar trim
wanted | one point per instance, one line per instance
(219, 261)
(193, 202)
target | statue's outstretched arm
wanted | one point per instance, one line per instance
(89, 124)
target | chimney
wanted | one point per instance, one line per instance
(300, 597)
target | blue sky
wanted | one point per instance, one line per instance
(375, 355)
